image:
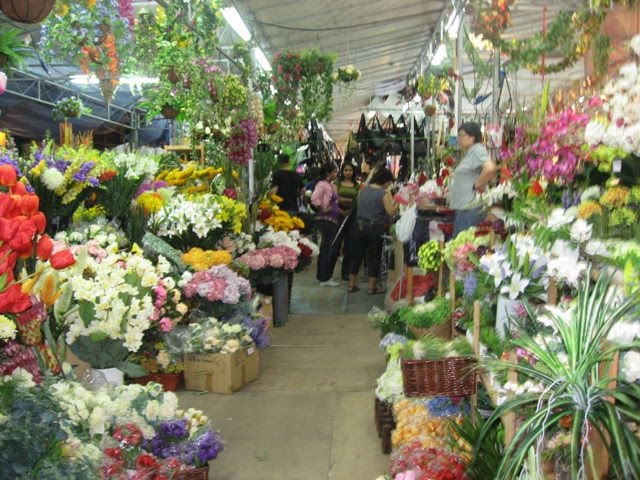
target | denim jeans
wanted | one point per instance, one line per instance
(466, 219)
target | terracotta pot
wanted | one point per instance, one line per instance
(27, 11)
(172, 75)
(169, 112)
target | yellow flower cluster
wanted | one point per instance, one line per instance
(194, 178)
(588, 209)
(282, 221)
(150, 201)
(201, 260)
(231, 211)
(413, 422)
(88, 214)
(615, 197)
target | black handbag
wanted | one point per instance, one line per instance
(376, 134)
(392, 144)
(419, 140)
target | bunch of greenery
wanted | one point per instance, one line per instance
(430, 347)
(575, 385)
(426, 315)
(34, 435)
(388, 322)
(13, 50)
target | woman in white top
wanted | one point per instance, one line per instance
(471, 176)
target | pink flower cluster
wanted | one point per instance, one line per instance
(271, 257)
(463, 265)
(218, 284)
(164, 323)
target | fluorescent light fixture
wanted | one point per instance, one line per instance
(262, 59)
(132, 80)
(235, 21)
(440, 55)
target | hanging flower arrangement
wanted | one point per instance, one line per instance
(347, 74)
(490, 19)
(96, 35)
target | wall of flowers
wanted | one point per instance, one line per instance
(545, 300)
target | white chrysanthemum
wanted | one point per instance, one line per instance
(580, 231)
(634, 44)
(52, 178)
(7, 328)
(630, 366)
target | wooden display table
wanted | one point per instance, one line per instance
(183, 151)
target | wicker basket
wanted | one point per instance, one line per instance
(443, 331)
(201, 473)
(449, 377)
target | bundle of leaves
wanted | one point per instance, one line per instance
(430, 347)
(426, 315)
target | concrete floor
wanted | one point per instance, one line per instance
(309, 415)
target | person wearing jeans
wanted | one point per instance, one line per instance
(325, 199)
(374, 207)
(471, 176)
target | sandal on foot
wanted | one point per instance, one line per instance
(353, 289)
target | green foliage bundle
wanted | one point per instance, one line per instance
(430, 347)
(426, 315)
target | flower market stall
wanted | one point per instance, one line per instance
(141, 241)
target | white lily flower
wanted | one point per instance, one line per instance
(581, 231)
(515, 287)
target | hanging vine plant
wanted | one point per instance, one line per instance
(528, 52)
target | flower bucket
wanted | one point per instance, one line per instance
(506, 308)
(281, 301)
(169, 381)
(102, 376)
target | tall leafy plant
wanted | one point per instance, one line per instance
(576, 387)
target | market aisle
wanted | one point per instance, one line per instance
(310, 413)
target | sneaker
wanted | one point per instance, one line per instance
(329, 283)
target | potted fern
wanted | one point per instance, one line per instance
(574, 394)
(13, 51)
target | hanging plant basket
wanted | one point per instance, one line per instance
(108, 84)
(27, 11)
(169, 112)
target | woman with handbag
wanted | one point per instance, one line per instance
(375, 206)
(325, 199)
(471, 176)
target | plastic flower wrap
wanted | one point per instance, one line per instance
(214, 336)
(415, 462)
(108, 304)
(197, 221)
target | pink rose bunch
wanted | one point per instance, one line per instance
(282, 257)
(218, 284)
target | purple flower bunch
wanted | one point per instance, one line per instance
(174, 439)
(557, 152)
(258, 330)
(280, 257)
(218, 284)
(150, 186)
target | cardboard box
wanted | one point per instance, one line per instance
(220, 372)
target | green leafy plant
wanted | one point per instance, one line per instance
(426, 315)
(69, 107)
(13, 51)
(572, 374)
(430, 347)
(490, 448)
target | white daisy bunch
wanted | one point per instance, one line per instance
(271, 238)
(112, 297)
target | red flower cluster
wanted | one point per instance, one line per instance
(428, 464)
(121, 460)
(21, 223)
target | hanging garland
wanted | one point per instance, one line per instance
(528, 52)
(491, 19)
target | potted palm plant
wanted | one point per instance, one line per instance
(574, 392)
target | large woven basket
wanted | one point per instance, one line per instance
(201, 473)
(447, 377)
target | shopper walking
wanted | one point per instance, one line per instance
(347, 193)
(471, 176)
(325, 199)
(375, 206)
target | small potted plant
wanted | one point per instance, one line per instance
(162, 366)
(69, 107)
